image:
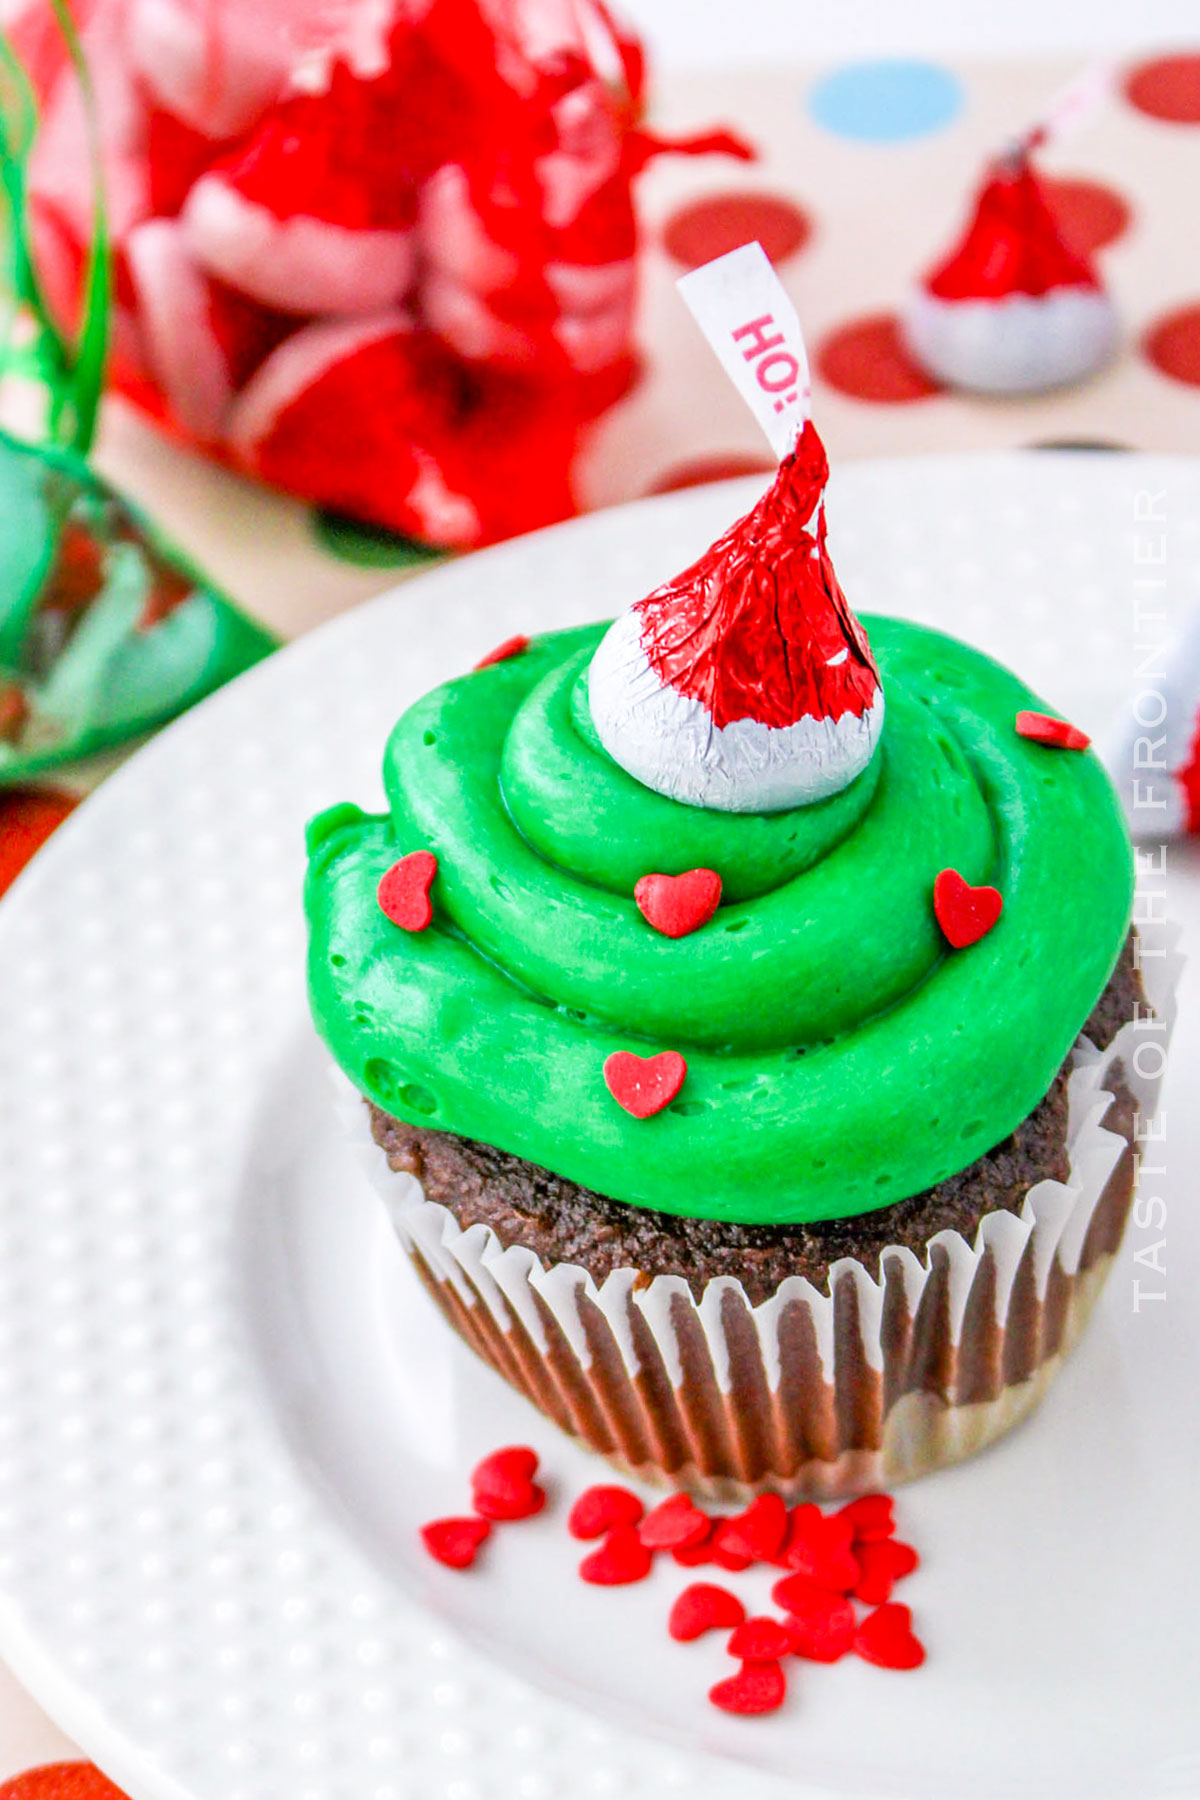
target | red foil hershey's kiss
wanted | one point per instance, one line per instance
(758, 627)
(746, 684)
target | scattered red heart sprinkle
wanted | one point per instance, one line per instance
(677, 905)
(820, 1548)
(515, 1462)
(403, 893)
(703, 1607)
(675, 1524)
(598, 1509)
(643, 1085)
(621, 1558)
(726, 1556)
(502, 1485)
(886, 1638)
(821, 1625)
(511, 646)
(757, 1534)
(454, 1541)
(965, 913)
(882, 1565)
(760, 1640)
(758, 1687)
(1056, 732)
(836, 1558)
(871, 1516)
(692, 1556)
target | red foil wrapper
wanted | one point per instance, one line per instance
(381, 256)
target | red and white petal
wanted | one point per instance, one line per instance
(588, 153)
(597, 304)
(592, 287)
(61, 163)
(454, 238)
(444, 517)
(297, 365)
(593, 340)
(299, 263)
(469, 325)
(669, 743)
(180, 345)
(215, 68)
(1020, 343)
(357, 33)
(339, 414)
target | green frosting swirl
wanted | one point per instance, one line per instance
(840, 1056)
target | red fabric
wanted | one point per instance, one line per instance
(751, 629)
(1013, 245)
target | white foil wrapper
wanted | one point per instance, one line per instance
(869, 1381)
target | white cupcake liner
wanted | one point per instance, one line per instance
(826, 1392)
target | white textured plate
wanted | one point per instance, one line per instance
(224, 1405)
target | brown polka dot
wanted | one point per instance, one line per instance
(867, 360)
(704, 469)
(61, 1781)
(695, 233)
(1089, 214)
(1167, 88)
(1172, 344)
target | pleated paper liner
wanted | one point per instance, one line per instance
(815, 1393)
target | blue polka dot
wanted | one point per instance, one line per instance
(886, 102)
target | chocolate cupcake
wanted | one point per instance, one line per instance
(753, 1075)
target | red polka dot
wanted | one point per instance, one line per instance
(710, 468)
(867, 360)
(27, 817)
(707, 228)
(61, 1781)
(1089, 214)
(1168, 88)
(1173, 345)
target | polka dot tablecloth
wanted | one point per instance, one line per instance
(864, 174)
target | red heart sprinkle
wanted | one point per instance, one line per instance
(454, 1541)
(598, 1509)
(675, 1524)
(733, 1560)
(886, 1638)
(760, 1640)
(882, 1565)
(1056, 732)
(643, 1085)
(965, 913)
(403, 893)
(691, 1556)
(512, 646)
(703, 1607)
(821, 1625)
(677, 905)
(502, 1485)
(757, 1534)
(820, 1549)
(872, 1516)
(621, 1558)
(758, 1687)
